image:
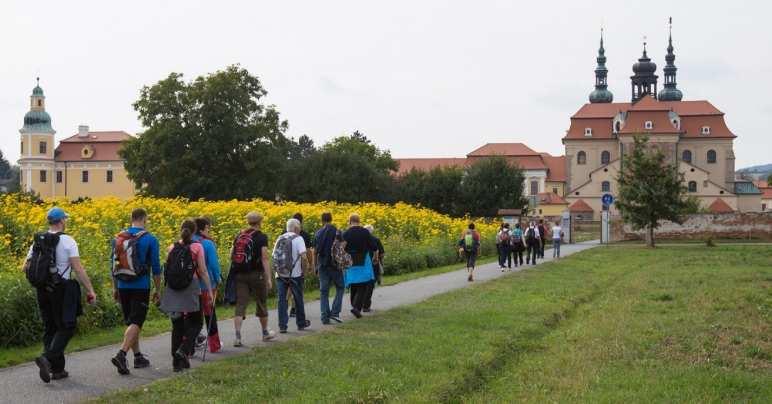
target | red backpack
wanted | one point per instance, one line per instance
(243, 250)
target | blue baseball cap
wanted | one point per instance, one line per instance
(56, 214)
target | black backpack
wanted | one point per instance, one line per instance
(530, 237)
(43, 258)
(179, 269)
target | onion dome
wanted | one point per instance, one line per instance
(37, 119)
(601, 94)
(644, 81)
(670, 92)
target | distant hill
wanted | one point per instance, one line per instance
(756, 172)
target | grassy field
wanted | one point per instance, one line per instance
(10, 356)
(615, 324)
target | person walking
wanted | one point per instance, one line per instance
(543, 237)
(309, 247)
(181, 300)
(132, 290)
(251, 274)
(470, 246)
(557, 238)
(377, 254)
(50, 262)
(518, 244)
(505, 248)
(533, 243)
(328, 271)
(290, 263)
(359, 244)
(203, 228)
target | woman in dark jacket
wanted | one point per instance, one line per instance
(360, 244)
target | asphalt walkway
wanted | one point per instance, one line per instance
(92, 374)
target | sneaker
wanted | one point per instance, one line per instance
(45, 368)
(269, 335)
(336, 319)
(356, 313)
(176, 365)
(470, 279)
(305, 325)
(502, 269)
(282, 330)
(200, 341)
(292, 312)
(326, 322)
(141, 362)
(366, 310)
(119, 360)
(182, 360)
(237, 343)
(60, 375)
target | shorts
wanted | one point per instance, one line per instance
(248, 284)
(134, 304)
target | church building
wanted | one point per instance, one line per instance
(692, 134)
(86, 164)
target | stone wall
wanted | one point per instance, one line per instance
(702, 226)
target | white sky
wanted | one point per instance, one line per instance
(421, 78)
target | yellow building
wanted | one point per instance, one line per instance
(84, 165)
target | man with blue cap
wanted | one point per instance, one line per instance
(59, 295)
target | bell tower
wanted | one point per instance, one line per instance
(643, 80)
(36, 160)
(601, 94)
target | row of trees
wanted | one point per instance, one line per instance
(215, 138)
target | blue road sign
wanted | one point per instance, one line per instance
(607, 199)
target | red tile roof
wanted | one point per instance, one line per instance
(102, 136)
(580, 206)
(556, 166)
(682, 108)
(426, 164)
(636, 120)
(550, 198)
(719, 206)
(766, 193)
(528, 162)
(503, 149)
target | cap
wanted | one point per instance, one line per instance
(56, 214)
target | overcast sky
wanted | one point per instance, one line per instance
(420, 78)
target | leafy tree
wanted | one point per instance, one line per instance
(9, 174)
(5, 166)
(769, 180)
(347, 169)
(491, 184)
(650, 189)
(438, 189)
(209, 138)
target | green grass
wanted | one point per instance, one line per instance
(10, 356)
(675, 324)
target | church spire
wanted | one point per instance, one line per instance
(670, 92)
(601, 94)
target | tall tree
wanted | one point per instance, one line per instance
(650, 189)
(210, 138)
(438, 189)
(491, 184)
(5, 167)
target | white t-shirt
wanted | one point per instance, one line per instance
(556, 230)
(298, 247)
(66, 249)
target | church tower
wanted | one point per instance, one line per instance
(643, 80)
(36, 159)
(601, 94)
(670, 92)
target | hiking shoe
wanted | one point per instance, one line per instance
(282, 330)
(269, 335)
(237, 343)
(60, 375)
(305, 325)
(336, 319)
(366, 310)
(356, 313)
(292, 312)
(200, 341)
(326, 322)
(182, 360)
(119, 360)
(470, 279)
(141, 362)
(45, 368)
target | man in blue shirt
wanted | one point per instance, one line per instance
(328, 272)
(203, 225)
(134, 296)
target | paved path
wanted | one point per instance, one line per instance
(92, 374)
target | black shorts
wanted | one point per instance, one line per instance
(134, 303)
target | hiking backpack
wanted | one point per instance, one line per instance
(127, 265)
(243, 250)
(516, 238)
(530, 238)
(340, 256)
(469, 242)
(504, 238)
(180, 267)
(43, 259)
(282, 261)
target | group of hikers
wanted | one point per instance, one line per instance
(510, 243)
(185, 289)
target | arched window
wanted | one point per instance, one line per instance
(618, 127)
(534, 187)
(687, 156)
(581, 158)
(711, 156)
(605, 186)
(605, 157)
(692, 186)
